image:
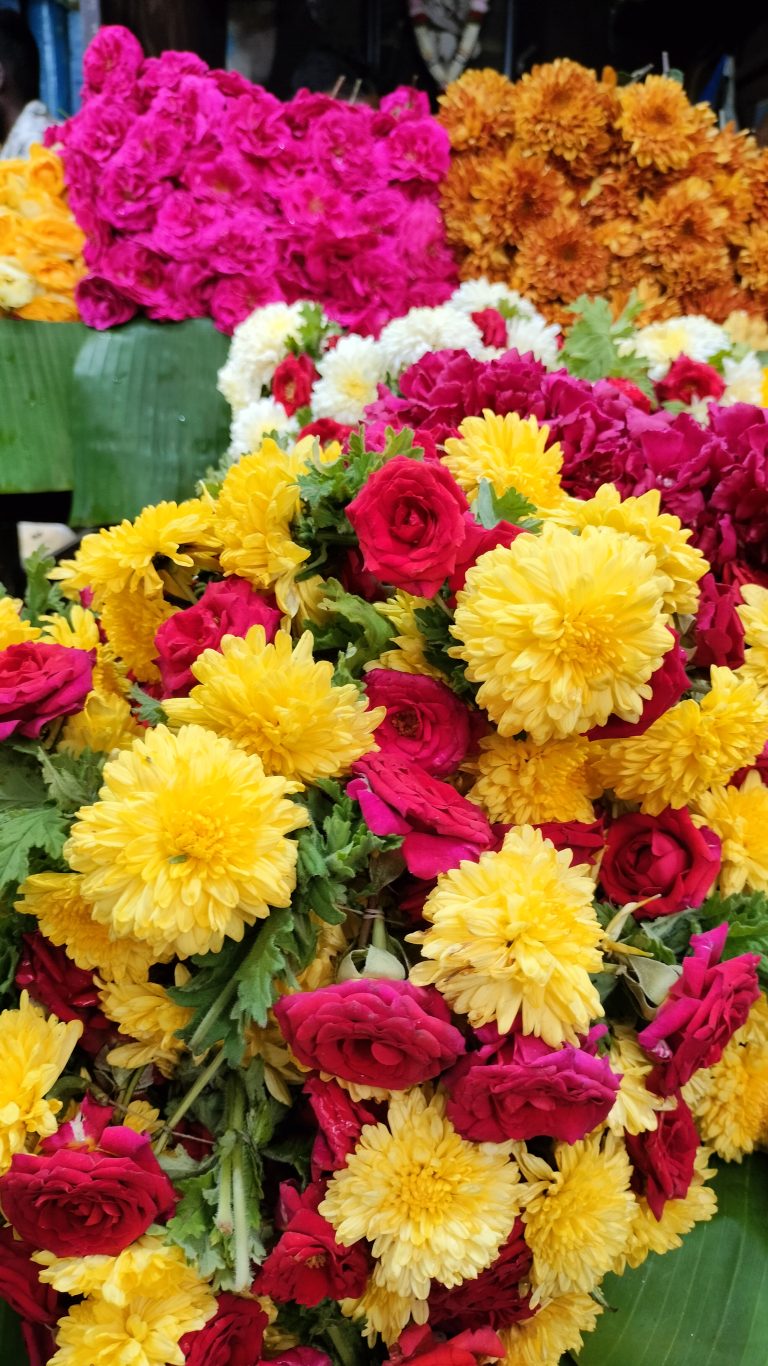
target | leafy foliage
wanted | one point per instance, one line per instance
(72, 780)
(354, 630)
(312, 332)
(41, 596)
(435, 622)
(25, 831)
(591, 350)
(747, 916)
(148, 709)
(513, 507)
(340, 860)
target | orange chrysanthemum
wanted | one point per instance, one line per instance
(683, 233)
(516, 192)
(562, 109)
(561, 258)
(659, 124)
(753, 259)
(478, 109)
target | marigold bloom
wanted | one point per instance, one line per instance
(188, 842)
(562, 631)
(511, 453)
(35, 1051)
(659, 124)
(276, 701)
(562, 109)
(515, 932)
(519, 782)
(434, 1206)
(478, 108)
(561, 257)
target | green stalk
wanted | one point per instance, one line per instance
(346, 1356)
(379, 937)
(213, 1011)
(188, 1099)
(224, 1220)
(239, 1202)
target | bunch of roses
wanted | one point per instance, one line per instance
(201, 194)
(564, 183)
(41, 246)
(343, 797)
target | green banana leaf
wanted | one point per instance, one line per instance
(122, 418)
(12, 1351)
(705, 1304)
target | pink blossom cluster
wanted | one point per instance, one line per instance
(202, 194)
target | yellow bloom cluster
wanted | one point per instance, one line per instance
(565, 183)
(40, 244)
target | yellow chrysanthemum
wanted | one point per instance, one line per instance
(78, 631)
(276, 701)
(556, 1328)
(66, 919)
(434, 1206)
(253, 513)
(662, 535)
(146, 1014)
(635, 1107)
(105, 723)
(188, 842)
(123, 557)
(730, 1100)
(754, 619)
(14, 631)
(74, 1275)
(142, 1117)
(659, 124)
(408, 657)
(578, 1213)
(131, 621)
(511, 452)
(692, 747)
(384, 1313)
(739, 815)
(562, 631)
(516, 931)
(149, 1300)
(520, 782)
(649, 1234)
(34, 1052)
(562, 109)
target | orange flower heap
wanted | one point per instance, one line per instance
(565, 183)
(40, 243)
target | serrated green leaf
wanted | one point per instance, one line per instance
(705, 1304)
(353, 628)
(149, 709)
(747, 917)
(270, 954)
(41, 596)
(434, 622)
(591, 349)
(72, 780)
(489, 509)
(21, 781)
(24, 831)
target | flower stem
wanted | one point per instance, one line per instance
(211, 1014)
(342, 1348)
(188, 1099)
(224, 1220)
(379, 936)
(124, 1099)
(239, 1202)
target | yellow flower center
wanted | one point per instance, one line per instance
(356, 387)
(423, 1190)
(194, 835)
(137, 1328)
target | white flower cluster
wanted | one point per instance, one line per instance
(693, 335)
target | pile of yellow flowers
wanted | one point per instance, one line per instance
(41, 245)
(564, 184)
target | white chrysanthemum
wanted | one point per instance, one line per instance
(405, 340)
(692, 335)
(251, 424)
(474, 295)
(259, 343)
(535, 335)
(349, 375)
(743, 380)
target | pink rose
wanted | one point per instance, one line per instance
(477, 540)
(668, 684)
(78, 1201)
(227, 608)
(111, 61)
(235, 297)
(307, 1264)
(425, 723)
(292, 382)
(372, 1032)
(495, 1298)
(101, 305)
(440, 826)
(585, 841)
(663, 1160)
(409, 521)
(700, 1013)
(719, 632)
(688, 379)
(419, 1345)
(664, 856)
(416, 149)
(68, 991)
(521, 1088)
(231, 1338)
(340, 1122)
(404, 102)
(40, 683)
(492, 325)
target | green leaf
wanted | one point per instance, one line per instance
(354, 630)
(21, 782)
(72, 780)
(339, 857)
(149, 709)
(24, 831)
(36, 363)
(11, 1341)
(270, 955)
(435, 623)
(747, 917)
(489, 509)
(705, 1304)
(41, 595)
(12, 926)
(591, 349)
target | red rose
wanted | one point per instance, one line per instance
(707, 1004)
(663, 1160)
(408, 518)
(440, 826)
(227, 608)
(373, 1032)
(292, 382)
(76, 1202)
(492, 325)
(688, 379)
(668, 684)
(39, 1343)
(630, 391)
(494, 1298)
(761, 764)
(419, 1345)
(340, 1122)
(39, 683)
(233, 1337)
(20, 1284)
(584, 840)
(664, 856)
(478, 539)
(298, 1356)
(521, 1088)
(327, 430)
(425, 721)
(719, 633)
(307, 1264)
(63, 988)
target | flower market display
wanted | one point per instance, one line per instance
(563, 183)
(384, 861)
(201, 194)
(41, 246)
